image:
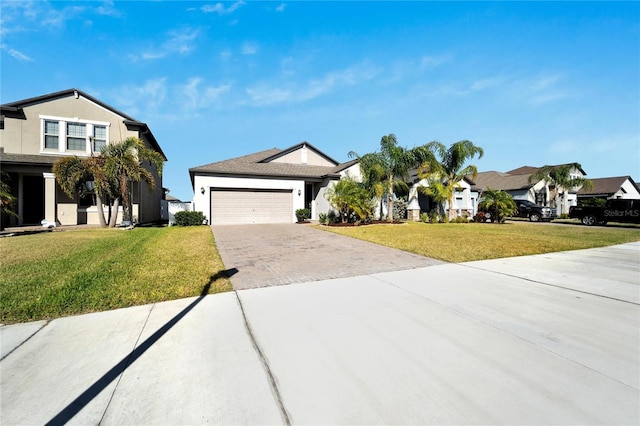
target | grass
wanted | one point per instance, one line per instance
(55, 274)
(456, 242)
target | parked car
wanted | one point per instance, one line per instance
(534, 212)
(618, 210)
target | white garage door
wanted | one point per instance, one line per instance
(231, 207)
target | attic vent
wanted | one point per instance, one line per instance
(303, 155)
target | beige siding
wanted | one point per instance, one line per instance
(24, 136)
(297, 157)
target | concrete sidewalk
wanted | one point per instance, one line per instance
(549, 339)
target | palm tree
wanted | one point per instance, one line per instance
(348, 196)
(123, 165)
(387, 170)
(446, 172)
(499, 203)
(559, 178)
(81, 176)
(7, 200)
(109, 175)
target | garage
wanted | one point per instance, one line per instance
(246, 206)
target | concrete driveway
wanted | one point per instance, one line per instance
(548, 339)
(268, 255)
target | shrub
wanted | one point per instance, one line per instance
(400, 209)
(564, 216)
(323, 218)
(303, 214)
(186, 218)
(424, 218)
(461, 219)
(480, 217)
(433, 216)
(332, 217)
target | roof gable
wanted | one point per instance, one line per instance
(607, 186)
(284, 155)
(16, 110)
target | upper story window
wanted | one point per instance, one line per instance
(99, 138)
(76, 137)
(51, 134)
(72, 135)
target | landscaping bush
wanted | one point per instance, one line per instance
(480, 217)
(400, 209)
(433, 217)
(303, 214)
(424, 218)
(186, 218)
(460, 219)
(332, 217)
(323, 218)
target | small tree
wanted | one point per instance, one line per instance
(7, 200)
(123, 164)
(446, 172)
(349, 198)
(560, 181)
(499, 203)
(388, 169)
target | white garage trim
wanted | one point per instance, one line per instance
(234, 206)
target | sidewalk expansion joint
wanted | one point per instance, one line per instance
(135, 345)
(265, 364)
(25, 340)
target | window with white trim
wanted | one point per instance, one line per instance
(72, 135)
(76, 137)
(99, 138)
(51, 134)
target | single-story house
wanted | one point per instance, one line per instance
(517, 183)
(36, 132)
(611, 187)
(465, 199)
(268, 186)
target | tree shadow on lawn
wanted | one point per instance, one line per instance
(88, 395)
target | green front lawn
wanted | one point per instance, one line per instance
(455, 242)
(55, 274)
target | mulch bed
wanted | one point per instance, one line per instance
(373, 222)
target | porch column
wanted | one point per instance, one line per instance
(49, 197)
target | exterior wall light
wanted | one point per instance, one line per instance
(202, 190)
(299, 192)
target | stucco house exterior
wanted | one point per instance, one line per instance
(465, 199)
(610, 188)
(35, 132)
(268, 186)
(517, 183)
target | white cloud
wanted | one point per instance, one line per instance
(281, 7)
(486, 83)
(180, 41)
(249, 48)
(429, 62)
(269, 94)
(16, 54)
(196, 97)
(220, 9)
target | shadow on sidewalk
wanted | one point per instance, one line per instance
(88, 395)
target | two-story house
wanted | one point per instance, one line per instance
(35, 132)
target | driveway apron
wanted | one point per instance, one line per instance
(271, 255)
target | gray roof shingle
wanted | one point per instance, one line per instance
(252, 165)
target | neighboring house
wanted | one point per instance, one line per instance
(268, 186)
(466, 199)
(611, 187)
(35, 132)
(517, 183)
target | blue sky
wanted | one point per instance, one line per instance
(533, 83)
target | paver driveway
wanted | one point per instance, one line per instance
(268, 255)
